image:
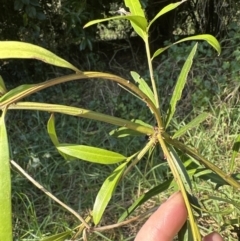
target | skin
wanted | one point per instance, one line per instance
(165, 223)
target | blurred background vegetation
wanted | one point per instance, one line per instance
(213, 86)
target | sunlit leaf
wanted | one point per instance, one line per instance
(207, 37)
(145, 197)
(3, 89)
(194, 123)
(143, 86)
(166, 9)
(58, 237)
(21, 50)
(139, 21)
(5, 184)
(135, 7)
(176, 96)
(91, 154)
(106, 192)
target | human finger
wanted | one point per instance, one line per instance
(213, 237)
(165, 223)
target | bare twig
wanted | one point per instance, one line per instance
(39, 186)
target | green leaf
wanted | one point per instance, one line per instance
(124, 131)
(138, 20)
(135, 7)
(181, 170)
(176, 96)
(16, 91)
(91, 154)
(235, 149)
(194, 123)
(3, 89)
(53, 136)
(5, 184)
(145, 197)
(207, 37)
(166, 9)
(143, 86)
(57, 237)
(106, 192)
(21, 50)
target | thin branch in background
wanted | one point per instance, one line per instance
(39, 186)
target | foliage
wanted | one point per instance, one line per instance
(173, 149)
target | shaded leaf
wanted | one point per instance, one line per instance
(57, 237)
(194, 123)
(91, 154)
(5, 184)
(181, 170)
(143, 86)
(176, 96)
(154, 191)
(124, 131)
(105, 193)
(21, 50)
(53, 136)
(207, 37)
(166, 9)
(235, 149)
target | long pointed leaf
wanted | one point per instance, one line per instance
(3, 89)
(176, 96)
(91, 154)
(53, 136)
(21, 50)
(235, 149)
(57, 237)
(207, 37)
(166, 9)
(143, 86)
(154, 191)
(136, 9)
(5, 184)
(106, 192)
(194, 123)
(139, 21)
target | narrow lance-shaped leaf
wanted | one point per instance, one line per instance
(181, 170)
(21, 50)
(194, 123)
(176, 96)
(3, 88)
(166, 9)
(106, 192)
(91, 154)
(136, 9)
(53, 136)
(235, 149)
(145, 197)
(138, 20)
(5, 184)
(207, 37)
(58, 237)
(143, 86)
(124, 131)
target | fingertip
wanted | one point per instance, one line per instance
(213, 237)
